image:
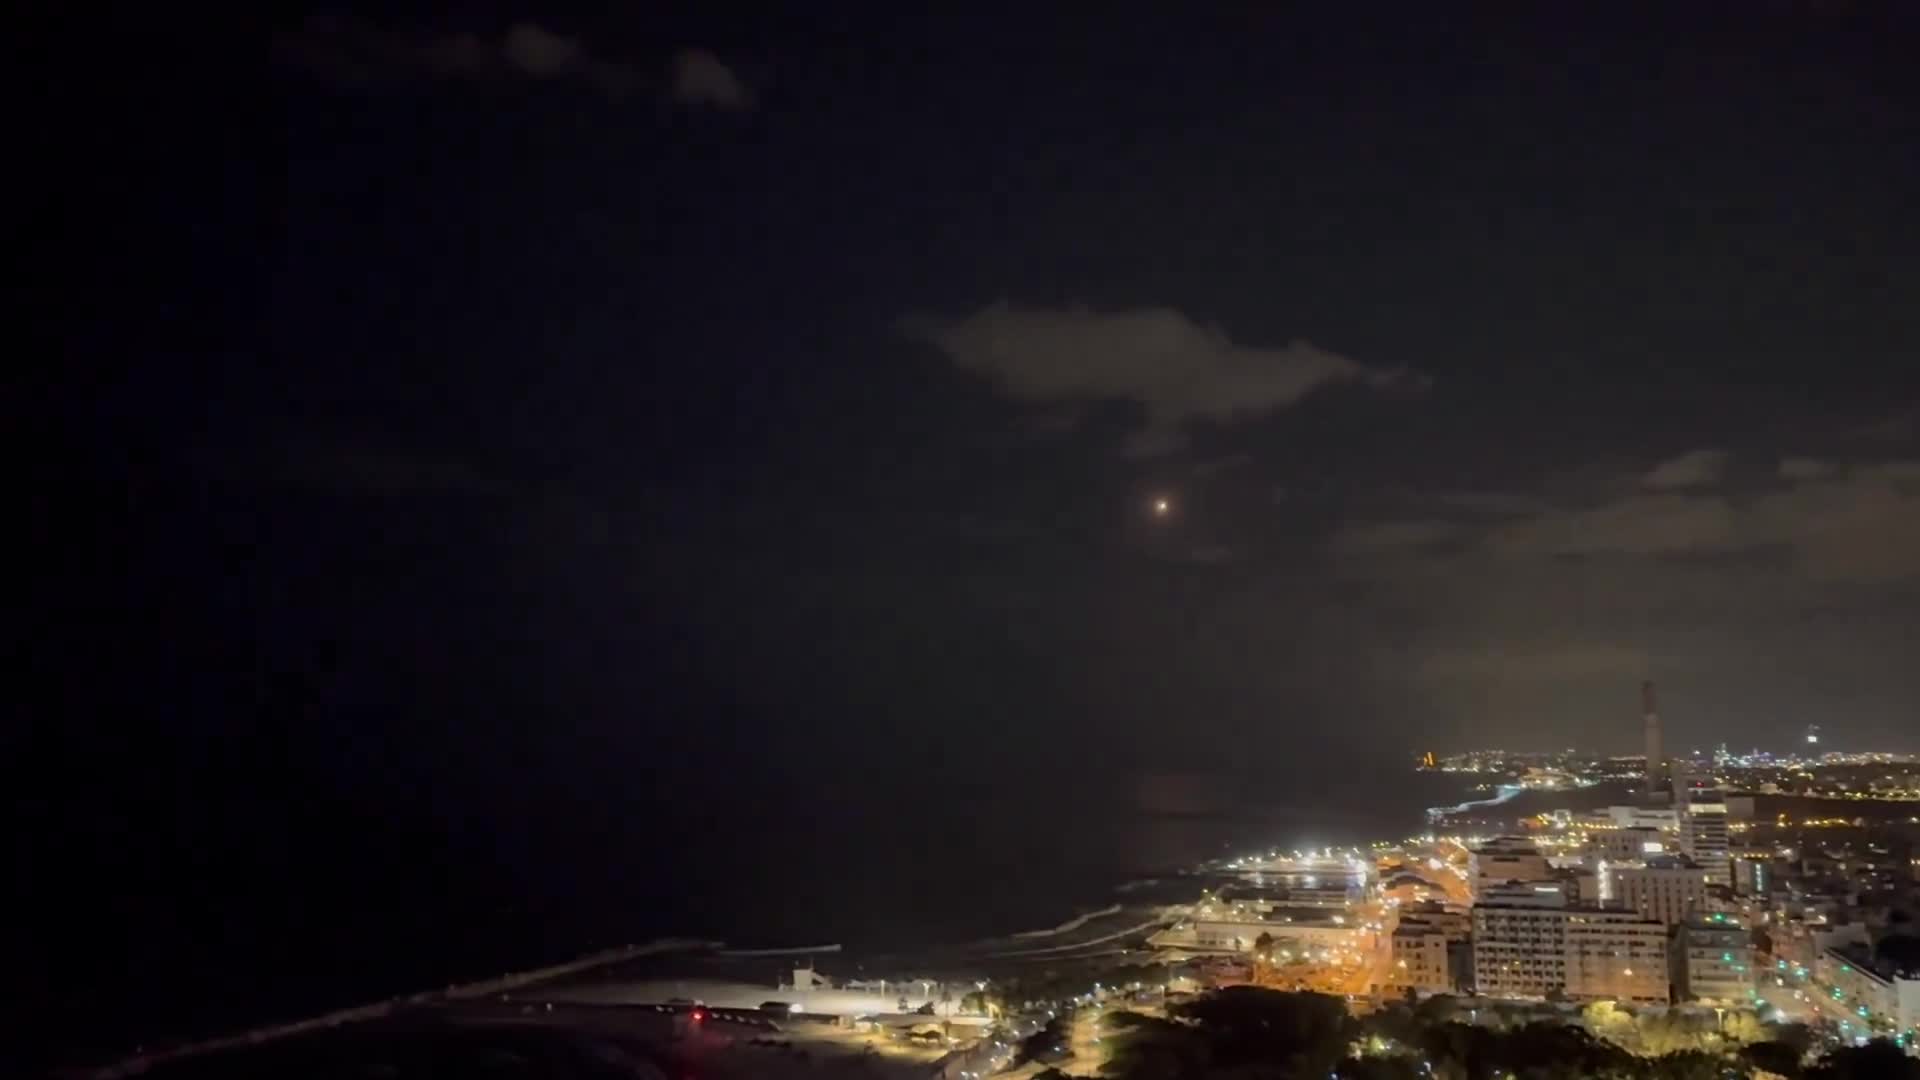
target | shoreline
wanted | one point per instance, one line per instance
(996, 951)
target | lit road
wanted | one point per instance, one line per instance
(1450, 875)
(1089, 1052)
(1801, 998)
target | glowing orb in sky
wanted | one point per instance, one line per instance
(1162, 506)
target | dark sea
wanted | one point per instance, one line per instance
(353, 909)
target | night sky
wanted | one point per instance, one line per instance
(511, 409)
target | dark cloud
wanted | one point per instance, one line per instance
(1637, 524)
(1486, 502)
(698, 78)
(1208, 554)
(354, 52)
(1221, 464)
(1902, 426)
(1859, 525)
(1801, 468)
(1391, 536)
(1700, 468)
(1176, 369)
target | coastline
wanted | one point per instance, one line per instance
(1183, 852)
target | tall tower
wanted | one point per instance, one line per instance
(1656, 759)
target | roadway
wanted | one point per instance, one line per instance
(1801, 997)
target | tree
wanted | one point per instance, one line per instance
(1689, 1065)
(1881, 1059)
(1554, 1048)
(1263, 946)
(1438, 1009)
(1467, 1046)
(1399, 1023)
(1772, 1056)
(1043, 1044)
(1304, 1033)
(1610, 1021)
(1145, 1046)
(1379, 1068)
(1797, 1036)
(1741, 1027)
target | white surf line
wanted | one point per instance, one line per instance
(1504, 793)
(1074, 923)
(798, 950)
(1082, 944)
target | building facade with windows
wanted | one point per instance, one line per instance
(1666, 889)
(1582, 953)
(1712, 961)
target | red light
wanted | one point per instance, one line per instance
(699, 1015)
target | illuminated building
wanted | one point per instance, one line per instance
(1611, 958)
(1584, 953)
(1664, 889)
(1453, 927)
(1237, 929)
(1752, 875)
(1420, 960)
(1858, 984)
(1505, 859)
(1712, 960)
(1703, 835)
(1626, 845)
(1644, 817)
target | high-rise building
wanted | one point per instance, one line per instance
(1503, 860)
(1656, 757)
(1582, 953)
(1703, 835)
(1712, 960)
(1420, 960)
(1616, 959)
(1664, 818)
(1663, 889)
(1627, 845)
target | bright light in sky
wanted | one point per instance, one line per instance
(1162, 506)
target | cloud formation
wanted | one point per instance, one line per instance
(1857, 525)
(353, 52)
(1176, 369)
(1637, 524)
(1802, 468)
(1700, 468)
(698, 78)
(1390, 536)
